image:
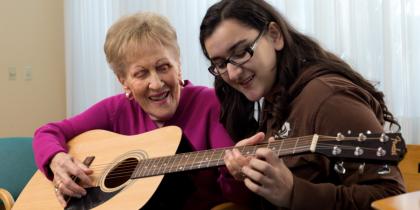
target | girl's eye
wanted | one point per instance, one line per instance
(239, 54)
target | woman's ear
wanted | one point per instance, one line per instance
(276, 36)
(181, 81)
(121, 80)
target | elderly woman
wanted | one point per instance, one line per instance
(142, 51)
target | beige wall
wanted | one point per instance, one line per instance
(32, 38)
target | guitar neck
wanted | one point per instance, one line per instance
(214, 157)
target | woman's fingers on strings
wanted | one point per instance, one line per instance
(271, 139)
(233, 165)
(255, 139)
(85, 180)
(69, 186)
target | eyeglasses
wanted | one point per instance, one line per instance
(236, 58)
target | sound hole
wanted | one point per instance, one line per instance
(121, 173)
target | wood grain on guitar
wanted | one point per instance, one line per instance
(129, 169)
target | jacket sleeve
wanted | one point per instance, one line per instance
(52, 137)
(354, 189)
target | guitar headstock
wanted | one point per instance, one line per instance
(384, 148)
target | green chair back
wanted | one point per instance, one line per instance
(16, 163)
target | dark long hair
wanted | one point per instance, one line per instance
(299, 54)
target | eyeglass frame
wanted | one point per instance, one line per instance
(250, 49)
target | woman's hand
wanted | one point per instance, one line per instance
(63, 167)
(269, 177)
(234, 160)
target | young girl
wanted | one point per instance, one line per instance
(255, 54)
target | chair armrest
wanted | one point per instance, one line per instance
(6, 198)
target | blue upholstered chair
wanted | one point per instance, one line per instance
(16, 167)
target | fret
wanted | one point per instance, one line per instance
(138, 169)
(172, 168)
(294, 148)
(199, 160)
(163, 166)
(179, 165)
(220, 157)
(211, 156)
(184, 159)
(271, 146)
(156, 166)
(146, 167)
(250, 150)
(151, 166)
(207, 159)
(281, 147)
(194, 160)
(254, 149)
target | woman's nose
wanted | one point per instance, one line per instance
(155, 81)
(233, 71)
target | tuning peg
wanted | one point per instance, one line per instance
(383, 138)
(385, 169)
(380, 152)
(339, 168)
(362, 137)
(362, 168)
(340, 137)
(368, 132)
(336, 150)
(358, 151)
(349, 132)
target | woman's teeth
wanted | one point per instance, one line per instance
(247, 80)
(159, 97)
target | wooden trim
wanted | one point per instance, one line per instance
(409, 168)
(399, 202)
(6, 198)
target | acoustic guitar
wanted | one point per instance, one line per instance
(129, 169)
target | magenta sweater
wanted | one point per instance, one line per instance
(197, 115)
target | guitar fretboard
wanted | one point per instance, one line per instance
(214, 157)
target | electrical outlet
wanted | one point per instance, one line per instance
(27, 73)
(12, 73)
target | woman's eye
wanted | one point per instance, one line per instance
(163, 67)
(239, 54)
(221, 65)
(140, 74)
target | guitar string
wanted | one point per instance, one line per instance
(176, 166)
(135, 162)
(301, 139)
(159, 167)
(203, 153)
(174, 169)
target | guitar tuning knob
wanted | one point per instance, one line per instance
(383, 138)
(362, 168)
(340, 137)
(385, 169)
(339, 168)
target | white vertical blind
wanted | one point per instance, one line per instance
(379, 38)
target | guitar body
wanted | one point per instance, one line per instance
(109, 150)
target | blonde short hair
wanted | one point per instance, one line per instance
(131, 33)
